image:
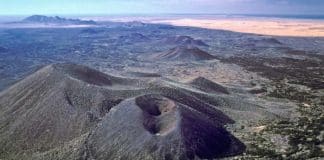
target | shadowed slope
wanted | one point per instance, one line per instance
(91, 76)
(208, 85)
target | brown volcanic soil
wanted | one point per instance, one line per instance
(183, 53)
(62, 111)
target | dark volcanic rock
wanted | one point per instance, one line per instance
(87, 75)
(208, 85)
(164, 130)
(75, 112)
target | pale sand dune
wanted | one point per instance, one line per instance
(278, 27)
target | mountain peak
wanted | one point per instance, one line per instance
(56, 20)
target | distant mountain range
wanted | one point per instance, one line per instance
(56, 20)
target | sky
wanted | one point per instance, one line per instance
(111, 7)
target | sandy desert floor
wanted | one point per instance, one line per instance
(268, 26)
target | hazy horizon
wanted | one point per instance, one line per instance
(146, 7)
(145, 17)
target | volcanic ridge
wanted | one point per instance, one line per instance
(76, 112)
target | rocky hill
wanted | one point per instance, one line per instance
(183, 53)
